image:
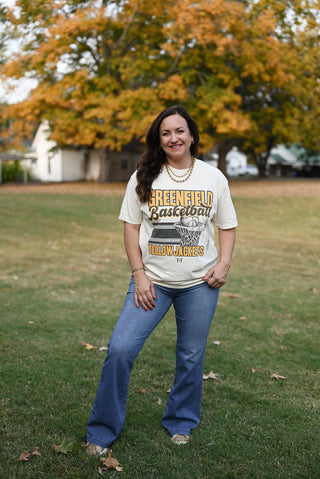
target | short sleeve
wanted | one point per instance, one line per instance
(225, 217)
(131, 206)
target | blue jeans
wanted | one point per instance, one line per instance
(194, 309)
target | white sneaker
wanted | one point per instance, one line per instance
(180, 439)
(95, 450)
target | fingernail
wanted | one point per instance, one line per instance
(146, 309)
(150, 309)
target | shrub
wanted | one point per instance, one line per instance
(13, 171)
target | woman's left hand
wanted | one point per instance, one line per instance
(217, 275)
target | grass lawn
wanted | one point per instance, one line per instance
(63, 280)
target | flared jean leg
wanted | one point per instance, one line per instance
(194, 309)
(131, 331)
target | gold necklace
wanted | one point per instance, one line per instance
(175, 174)
(185, 176)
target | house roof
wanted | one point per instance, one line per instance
(282, 155)
(17, 157)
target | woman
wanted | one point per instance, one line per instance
(168, 209)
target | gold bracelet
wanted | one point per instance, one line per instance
(137, 269)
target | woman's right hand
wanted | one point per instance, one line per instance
(144, 292)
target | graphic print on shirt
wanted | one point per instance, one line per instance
(186, 235)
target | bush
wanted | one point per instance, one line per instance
(13, 171)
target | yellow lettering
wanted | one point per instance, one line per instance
(172, 197)
(159, 194)
(179, 197)
(152, 199)
(166, 198)
(197, 197)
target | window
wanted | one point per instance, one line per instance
(124, 163)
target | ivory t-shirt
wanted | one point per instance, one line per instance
(176, 236)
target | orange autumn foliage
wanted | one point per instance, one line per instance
(247, 70)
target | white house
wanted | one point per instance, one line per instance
(76, 164)
(53, 163)
(236, 163)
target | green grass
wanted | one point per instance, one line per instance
(64, 269)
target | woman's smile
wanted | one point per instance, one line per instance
(175, 140)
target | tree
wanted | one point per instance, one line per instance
(246, 69)
(256, 72)
(99, 70)
(3, 32)
(290, 105)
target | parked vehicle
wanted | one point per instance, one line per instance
(251, 170)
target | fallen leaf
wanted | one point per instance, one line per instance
(64, 448)
(55, 448)
(36, 452)
(211, 375)
(24, 456)
(217, 343)
(243, 318)
(168, 390)
(143, 391)
(31, 322)
(253, 370)
(100, 471)
(111, 462)
(103, 348)
(159, 402)
(87, 346)
(277, 376)
(232, 295)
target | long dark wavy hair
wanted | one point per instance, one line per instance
(154, 158)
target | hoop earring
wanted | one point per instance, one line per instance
(192, 142)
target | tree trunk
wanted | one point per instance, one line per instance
(223, 149)
(104, 166)
(262, 164)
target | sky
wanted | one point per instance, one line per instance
(18, 90)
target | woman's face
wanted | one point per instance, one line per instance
(175, 138)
